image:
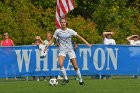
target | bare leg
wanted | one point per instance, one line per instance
(61, 62)
(74, 63)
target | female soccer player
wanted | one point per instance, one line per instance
(64, 35)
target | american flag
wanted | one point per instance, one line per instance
(62, 8)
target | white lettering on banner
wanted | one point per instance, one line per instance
(95, 58)
(85, 52)
(110, 55)
(108, 58)
(55, 59)
(68, 66)
(23, 56)
(113, 58)
(39, 60)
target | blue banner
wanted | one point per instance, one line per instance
(99, 59)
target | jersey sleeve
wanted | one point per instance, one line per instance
(72, 32)
(55, 34)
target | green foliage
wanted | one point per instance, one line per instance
(85, 28)
(44, 3)
(24, 19)
(119, 16)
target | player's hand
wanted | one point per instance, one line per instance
(89, 45)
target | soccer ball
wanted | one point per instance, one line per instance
(53, 82)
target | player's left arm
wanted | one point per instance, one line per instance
(80, 37)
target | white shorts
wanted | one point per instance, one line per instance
(71, 54)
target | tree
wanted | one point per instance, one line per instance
(24, 19)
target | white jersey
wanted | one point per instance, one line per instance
(133, 42)
(64, 38)
(109, 41)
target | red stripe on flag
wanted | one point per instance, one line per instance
(72, 1)
(61, 10)
(58, 10)
(62, 7)
(67, 2)
(57, 24)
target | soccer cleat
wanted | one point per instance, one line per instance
(82, 83)
(64, 82)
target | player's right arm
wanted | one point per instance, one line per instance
(51, 41)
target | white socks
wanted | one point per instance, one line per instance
(79, 75)
(64, 73)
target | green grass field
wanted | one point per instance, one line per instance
(115, 85)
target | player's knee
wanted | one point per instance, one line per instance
(61, 65)
(75, 68)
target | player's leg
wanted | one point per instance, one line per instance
(74, 63)
(75, 66)
(62, 69)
